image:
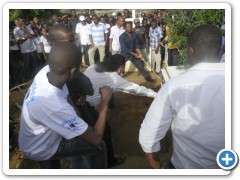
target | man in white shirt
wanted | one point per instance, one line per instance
(108, 73)
(50, 127)
(82, 29)
(193, 104)
(116, 31)
(24, 36)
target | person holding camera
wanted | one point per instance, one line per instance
(24, 35)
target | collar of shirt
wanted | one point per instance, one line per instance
(132, 34)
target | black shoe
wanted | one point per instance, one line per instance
(149, 79)
(116, 161)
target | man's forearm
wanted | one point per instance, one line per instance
(101, 121)
(91, 39)
(153, 160)
(110, 42)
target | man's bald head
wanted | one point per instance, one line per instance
(64, 57)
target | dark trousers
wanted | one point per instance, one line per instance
(173, 57)
(16, 68)
(30, 64)
(140, 66)
(85, 49)
(82, 154)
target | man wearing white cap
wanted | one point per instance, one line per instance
(82, 29)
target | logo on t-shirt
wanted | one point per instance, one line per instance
(72, 124)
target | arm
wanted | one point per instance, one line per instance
(153, 160)
(139, 53)
(155, 126)
(91, 39)
(29, 32)
(70, 101)
(18, 38)
(135, 55)
(105, 37)
(42, 47)
(105, 33)
(77, 34)
(21, 40)
(147, 42)
(95, 135)
(157, 49)
(111, 39)
(122, 85)
(110, 45)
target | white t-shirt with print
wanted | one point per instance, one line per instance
(46, 118)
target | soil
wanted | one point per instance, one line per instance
(125, 118)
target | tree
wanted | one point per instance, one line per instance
(183, 21)
(28, 14)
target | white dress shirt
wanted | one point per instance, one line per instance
(193, 104)
(114, 34)
(83, 33)
(116, 82)
(27, 46)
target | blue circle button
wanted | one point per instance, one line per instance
(227, 159)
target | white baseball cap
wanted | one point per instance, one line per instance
(82, 18)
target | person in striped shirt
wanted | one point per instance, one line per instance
(98, 37)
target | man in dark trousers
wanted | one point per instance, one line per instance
(130, 49)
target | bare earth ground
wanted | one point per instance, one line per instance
(125, 119)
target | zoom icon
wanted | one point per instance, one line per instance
(227, 159)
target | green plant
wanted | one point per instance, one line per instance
(28, 14)
(183, 21)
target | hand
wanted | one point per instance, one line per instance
(140, 56)
(161, 44)
(81, 100)
(45, 57)
(23, 27)
(91, 46)
(110, 49)
(106, 93)
(156, 50)
(134, 54)
(27, 36)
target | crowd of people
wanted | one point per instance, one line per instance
(59, 117)
(96, 36)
